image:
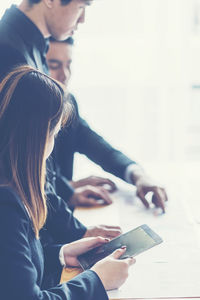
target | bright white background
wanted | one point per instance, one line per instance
(136, 75)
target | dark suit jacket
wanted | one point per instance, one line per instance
(22, 260)
(22, 43)
(79, 137)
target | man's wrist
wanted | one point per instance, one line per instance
(133, 173)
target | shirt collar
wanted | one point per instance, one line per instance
(26, 28)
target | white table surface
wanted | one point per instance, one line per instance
(171, 269)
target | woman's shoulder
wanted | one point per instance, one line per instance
(11, 203)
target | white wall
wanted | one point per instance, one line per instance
(135, 63)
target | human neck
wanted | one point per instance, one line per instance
(36, 15)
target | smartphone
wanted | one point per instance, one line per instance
(137, 240)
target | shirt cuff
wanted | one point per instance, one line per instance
(130, 170)
(61, 257)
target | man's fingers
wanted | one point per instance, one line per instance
(105, 196)
(100, 181)
(98, 193)
(91, 202)
(141, 195)
(166, 197)
(112, 185)
(161, 194)
(159, 199)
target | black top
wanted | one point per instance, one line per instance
(22, 260)
(21, 38)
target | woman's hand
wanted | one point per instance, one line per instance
(74, 249)
(112, 271)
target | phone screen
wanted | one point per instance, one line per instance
(137, 240)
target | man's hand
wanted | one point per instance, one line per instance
(145, 185)
(88, 196)
(95, 181)
(74, 249)
(104, 231)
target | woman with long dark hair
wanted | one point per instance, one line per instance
(32, 111)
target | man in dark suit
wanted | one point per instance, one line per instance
(24, 33)
(81, 138)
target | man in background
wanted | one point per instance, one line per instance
(24, 39)
(81, 138)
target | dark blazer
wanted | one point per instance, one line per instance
(79, 137)
(22, 43)
(22, 260)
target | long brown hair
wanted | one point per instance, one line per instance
(31, 105)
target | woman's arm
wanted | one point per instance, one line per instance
(19, 277)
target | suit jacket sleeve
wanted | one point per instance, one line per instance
(91, 144)
(18, 273)
(79, 137)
